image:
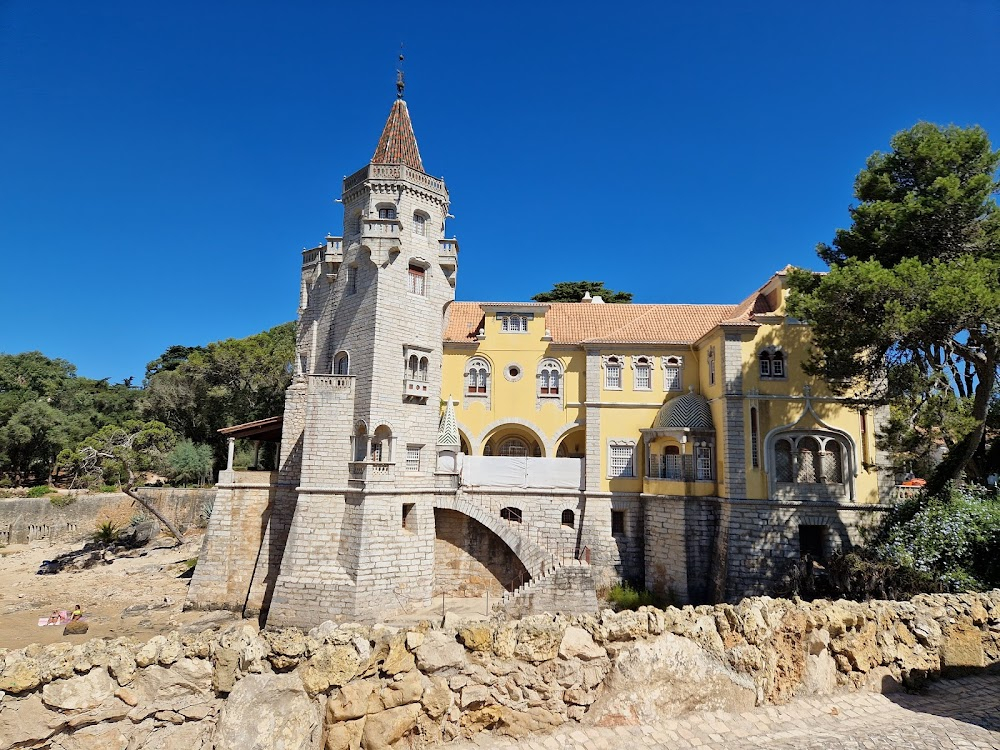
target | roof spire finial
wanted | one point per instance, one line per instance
(400, 83)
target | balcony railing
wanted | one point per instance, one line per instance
(372, 471)
(415, 387)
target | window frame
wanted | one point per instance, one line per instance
(550, 378)
(673, 373)
(483, 374)
(639, 365)
(617, 449)
(416, 280)
(612, 364)
(412, 460)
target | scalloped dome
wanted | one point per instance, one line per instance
(689, 410)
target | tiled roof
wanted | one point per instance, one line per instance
(745, 311)
(577, 322)
(398, 145)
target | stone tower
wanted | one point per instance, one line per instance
(364, 409)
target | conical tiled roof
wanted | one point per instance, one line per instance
(448, 427)
(398, 145)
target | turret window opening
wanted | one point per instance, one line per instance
(711, 365)
(342, 364)
(417, 282)
(643, 380)
(387, 213)
(419, 224)
(352, 279)
(568, 518)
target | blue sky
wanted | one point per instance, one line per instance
(162, 165)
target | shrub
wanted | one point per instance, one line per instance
(40, 490)
(105, 488)
(623, 596)
(62, 501)
(106, 532)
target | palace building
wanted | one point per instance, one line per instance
(537, 451)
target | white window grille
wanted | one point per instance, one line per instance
(643, 380)
(416, 280)
(613, 374)
(620, 461)
(672, 373)
(413, 457)
(514, 323)
(672, 463)
(419, 224)
(703, 462)
(778, 365)
(387, 213)
(765, 365)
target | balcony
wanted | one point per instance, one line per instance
(414, 387)
(371, 471)
(393, 172)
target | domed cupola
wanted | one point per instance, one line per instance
(689, 411)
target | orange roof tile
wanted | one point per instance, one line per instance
(577, 322)
(398, 144)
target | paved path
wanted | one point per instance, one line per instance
(961, 713)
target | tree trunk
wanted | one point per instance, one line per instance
(953, 466)
(162, 519)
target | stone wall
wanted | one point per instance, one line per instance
(470, 560)
(352, 686)
(25, 519)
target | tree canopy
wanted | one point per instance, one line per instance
(909, 313)
(573, 291)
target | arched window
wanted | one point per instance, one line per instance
(342, 364)
(808, 455)
(765, 364)
(422, 369)
(511, 514)
(613, 373)
(360, 442)
(419, 224)
(513, 323)
(382, 445)
(412, 367)
(416, 280)
(549, 378)
(568, 518)
(672, 463)
(831, 463)
(783, 471)
(477, 377)
(643, 374)
(513, 446)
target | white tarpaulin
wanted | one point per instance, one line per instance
(522, 472)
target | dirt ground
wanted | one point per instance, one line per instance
(150, 579)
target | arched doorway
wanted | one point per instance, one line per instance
(513, 440)
(470, 559)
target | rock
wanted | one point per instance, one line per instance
(538, 639)
(101, 737)
(226, 667)
(962, 647)
(159, 687)
(668, 676)
(474, 696)
(171, 717)
(171, 737)
(579, 696)
(884, 680)
(126, 696)
(383, 729)
(265, 712)
(406, 688)
(439, 651)
(27, 721)
(414, 639)
(345, 736)
(79, 693)
(928, 632)
(21, 676)
(476, 636)
(577, 643)
(436, 698)
(198, 711)
(330, 666)
(353, 701)
(399, 659)
(76, 627)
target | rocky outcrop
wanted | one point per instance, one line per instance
(352, 687)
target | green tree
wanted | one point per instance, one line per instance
(190, 462)
(573, 291)
(910, 310)
(124, 453)
(31, 439)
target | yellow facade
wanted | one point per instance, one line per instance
(823, 432)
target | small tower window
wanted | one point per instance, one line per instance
(419, 224)
(387, 213)
(342, 364)
(568, 518)
(352, 279)
(711, 365)
(416, 283)
(511, 514)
